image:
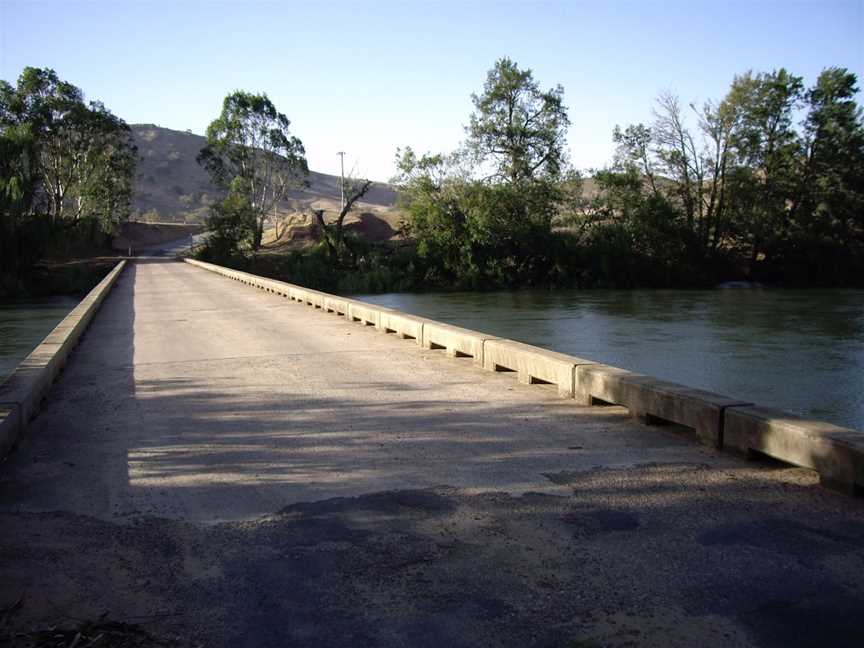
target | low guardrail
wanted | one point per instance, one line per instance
(22, 393)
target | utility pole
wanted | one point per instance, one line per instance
(341, 155)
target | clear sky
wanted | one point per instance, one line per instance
(368, 77)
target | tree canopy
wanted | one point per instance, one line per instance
(517, 128)
(66, 164)
(482, 215)
(765, 183)
(752, 192)
(739, 188)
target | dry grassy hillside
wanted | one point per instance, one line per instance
(172, 187)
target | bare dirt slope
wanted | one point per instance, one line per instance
(225, 466)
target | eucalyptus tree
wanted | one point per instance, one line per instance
(66, 168)
(84, 157)
(251, 152)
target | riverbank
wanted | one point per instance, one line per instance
(64, 277)
(396, 266)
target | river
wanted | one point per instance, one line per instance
(798, 350)
(23, 325)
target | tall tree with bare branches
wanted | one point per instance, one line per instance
(338, 248)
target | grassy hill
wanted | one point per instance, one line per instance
(171, 187)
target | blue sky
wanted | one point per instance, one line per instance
(367, 77)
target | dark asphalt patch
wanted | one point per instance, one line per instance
(389, 503)
(783, 535)
(601, 521)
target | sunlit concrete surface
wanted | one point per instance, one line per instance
(186, 463)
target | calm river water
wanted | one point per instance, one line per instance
(23, 325)
(801, 351)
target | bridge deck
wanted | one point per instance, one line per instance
(185, 461)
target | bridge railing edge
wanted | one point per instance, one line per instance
(720, 422)
(23, 391)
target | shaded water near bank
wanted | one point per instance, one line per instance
(24, 323)
(799, 350)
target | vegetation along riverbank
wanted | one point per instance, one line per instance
(765, 184)
(762, 185)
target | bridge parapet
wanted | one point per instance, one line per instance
(534, 365)
(22, 393)
(655, 401)
(836, 453)
(405, 326)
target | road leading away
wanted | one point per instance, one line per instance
(173, 248)
(222, 466)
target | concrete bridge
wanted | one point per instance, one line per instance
(275, 466)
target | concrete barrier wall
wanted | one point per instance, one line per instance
(723, 423)
(656, 401)
(365, 313)
(403, 325)
(457, 342)
(533, 365)
(836, 453)
(22, 393)
(336, 305)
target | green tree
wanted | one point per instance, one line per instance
(432, 192)
(517, 128)
(251, 152)
(726, 184)
(85, 155)
(18, 184)
(768, 151)
(231, 224)
(634, 152)
(828, 212)
(483, 215)
(66, 167)
(731, 189)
